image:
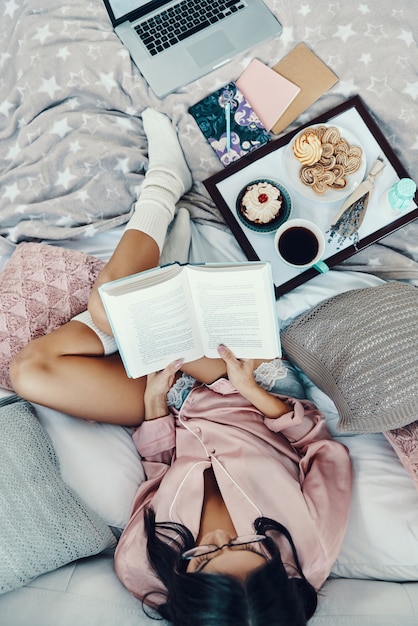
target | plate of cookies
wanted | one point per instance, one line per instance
(325, 162)
(263, 205)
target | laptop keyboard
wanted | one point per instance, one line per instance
(181, 21)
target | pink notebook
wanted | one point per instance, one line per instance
(268, 92)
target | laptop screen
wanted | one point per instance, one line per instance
(120, 10)
(123, 7)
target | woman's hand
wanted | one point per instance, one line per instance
(241, 374)
(240, 371)
(157, 387)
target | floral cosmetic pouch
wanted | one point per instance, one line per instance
(225, 113)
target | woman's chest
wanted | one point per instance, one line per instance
(215, 513)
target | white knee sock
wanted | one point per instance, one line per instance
(177, 244)
(167, 179)
(109, 343)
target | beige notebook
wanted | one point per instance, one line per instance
(268, 93)
(305, 69)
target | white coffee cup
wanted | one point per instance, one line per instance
(300, 243)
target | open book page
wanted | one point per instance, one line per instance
(235, 305)
(152, 324)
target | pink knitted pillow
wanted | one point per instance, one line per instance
(41, 287)
(405, 443)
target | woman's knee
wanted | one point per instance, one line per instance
(26, 368)
(97, 312)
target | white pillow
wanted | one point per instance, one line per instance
(99, 461)
(381, 538)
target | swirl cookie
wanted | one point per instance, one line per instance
(307, 147)
(340, 181)
(326, 158)
(331, 135)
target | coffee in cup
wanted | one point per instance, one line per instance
(299, 243)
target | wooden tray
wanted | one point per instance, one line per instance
(269, 162)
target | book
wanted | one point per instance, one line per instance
(313, 77)
(269, 93)
(185, 311)
(229, 123)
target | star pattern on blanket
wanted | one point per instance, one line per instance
(6, 107)
(411, 89)
(43, 34)
(344, 32)
(407, 36)
(73, 147)
(64, 178)
(10, 8)
(61, 128)
(49, 86)
(72, 155)
(375, 32)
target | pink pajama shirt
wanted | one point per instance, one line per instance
(288, 469)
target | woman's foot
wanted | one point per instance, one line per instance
(164, 151)
(166, 180)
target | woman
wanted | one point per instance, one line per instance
(237, 477)
(246, 499)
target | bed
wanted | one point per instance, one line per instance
(73, 156)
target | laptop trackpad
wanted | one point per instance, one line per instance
(211, 48)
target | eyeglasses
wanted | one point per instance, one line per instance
(211, 549)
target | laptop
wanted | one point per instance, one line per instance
(174, 42)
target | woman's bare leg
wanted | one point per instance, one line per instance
(66, 370)
(167, 179)
(135, 252)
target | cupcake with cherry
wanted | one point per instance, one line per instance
(263, 205)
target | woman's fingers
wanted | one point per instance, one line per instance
(225, 353)
(160, 382)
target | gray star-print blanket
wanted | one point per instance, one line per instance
(72, 148)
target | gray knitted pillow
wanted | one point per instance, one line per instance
(361, 348)
(43, 523)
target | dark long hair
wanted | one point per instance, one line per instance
(269, 597)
